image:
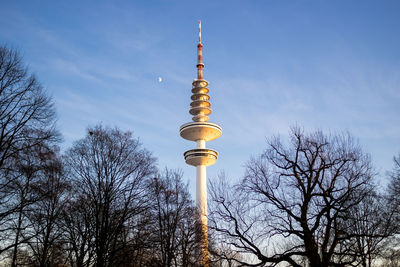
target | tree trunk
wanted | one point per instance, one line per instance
(15, 252)
(19, 224)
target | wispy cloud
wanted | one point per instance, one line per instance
(70, 68)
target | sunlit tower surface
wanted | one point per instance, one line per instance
(201, 131)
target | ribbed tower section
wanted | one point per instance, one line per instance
(201, 131)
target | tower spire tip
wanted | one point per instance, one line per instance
(200, 31)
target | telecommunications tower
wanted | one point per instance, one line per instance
(201, 131)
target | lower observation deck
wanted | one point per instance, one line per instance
(201, 156)
(206, 131)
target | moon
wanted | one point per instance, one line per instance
(159, 79)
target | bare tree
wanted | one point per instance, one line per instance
(27, 166)
(45, 215)
(391, 253)
(174, 224)
(110, 169)
(77, 228)
(27, 119)
(31, 168)
(394, 189)
(292, 204)
(189, 234)
(371, 223)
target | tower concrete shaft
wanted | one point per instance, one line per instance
(201, 131)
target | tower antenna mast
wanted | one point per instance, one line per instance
(201, 131)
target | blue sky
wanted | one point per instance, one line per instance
(330, 65)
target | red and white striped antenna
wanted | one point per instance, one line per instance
(200, 64)
(200, 31)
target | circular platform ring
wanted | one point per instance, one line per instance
(204, 97)
(200, 118)
(201, 156)
(200, 110)
(200, 90)
(206, 131)
(200, 103)
(199, 83)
